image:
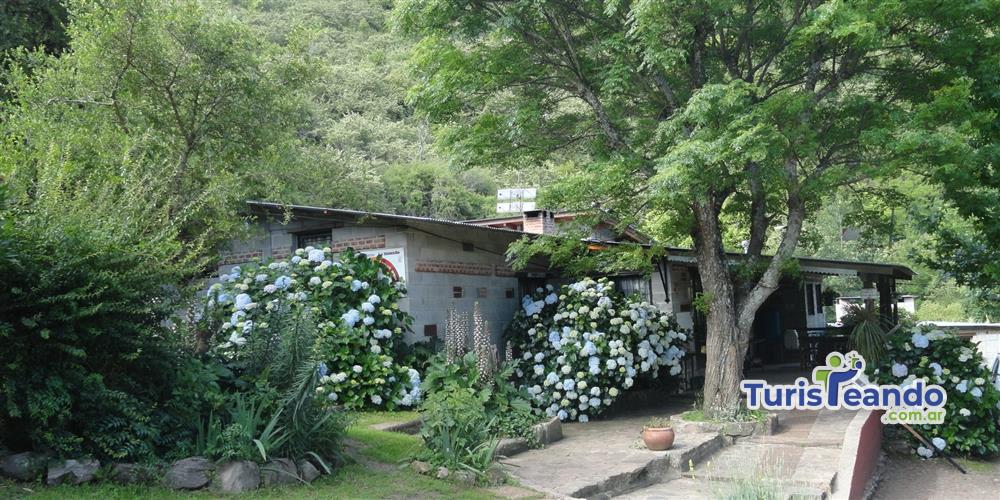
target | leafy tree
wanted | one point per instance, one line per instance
(435, 191)
(33, 23)
(701, 114)
(172, 100)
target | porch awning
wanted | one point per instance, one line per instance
(811, 265)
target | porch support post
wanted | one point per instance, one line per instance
(866, 280)
(884, 299)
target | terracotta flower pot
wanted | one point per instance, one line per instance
(658, 438)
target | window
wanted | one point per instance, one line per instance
(316, 239)
(468, 247)
(481, 292)
(630, 285)
(431, 331)
(509, 293)
(457, 292)
(814, 294)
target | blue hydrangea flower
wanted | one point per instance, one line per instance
(242, 301)
(351, 317)
(283, 282)
(919, 340)
(900, 370)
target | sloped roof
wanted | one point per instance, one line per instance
(496, 239)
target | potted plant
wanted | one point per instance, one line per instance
(657, 434)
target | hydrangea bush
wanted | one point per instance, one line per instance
(355, 305)
(972, 424)
(584, 344)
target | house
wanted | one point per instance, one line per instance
(452, 264)
(985, 335)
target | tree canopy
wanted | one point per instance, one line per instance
(698, 115)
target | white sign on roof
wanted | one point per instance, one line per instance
(512, 200)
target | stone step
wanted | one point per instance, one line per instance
(793, 467)
(595, 468)
(691, 449)
(687, 488)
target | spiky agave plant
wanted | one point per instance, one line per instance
(868, 337)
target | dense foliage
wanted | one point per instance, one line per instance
(354, 304)
(972, 424)
(584, 344)
(88, 356)
(468, 408)
(697, 116)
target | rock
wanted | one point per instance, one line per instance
(508, 447)
(442, 473)
(238, 476)
(72, 472)
(466, 477)
(495, 475)
(25, 466)
(188, 474)
(279, 471)
(133, 473)
(549, 431)
(420, 467)
(307, 471)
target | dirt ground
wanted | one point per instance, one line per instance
(911, 478)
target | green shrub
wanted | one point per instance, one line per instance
(456, 430)
(972, 424)
(87, 352)
(505, 405)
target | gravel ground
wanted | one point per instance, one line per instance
(911, 478)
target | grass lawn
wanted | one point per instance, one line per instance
(352, 481)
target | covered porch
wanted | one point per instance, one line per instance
(796, 327)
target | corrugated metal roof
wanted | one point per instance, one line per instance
(379, 215)
(677, 254)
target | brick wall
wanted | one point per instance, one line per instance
(450, 267)
(504, 271)
(239, 258)
(362, 243)
(281, 253)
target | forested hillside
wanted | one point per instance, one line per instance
(316, 105)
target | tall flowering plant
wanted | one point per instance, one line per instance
(583, 344)
(356, 308)
(972, 423)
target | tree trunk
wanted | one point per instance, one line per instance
(727, 339)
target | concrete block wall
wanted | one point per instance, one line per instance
(435, 266)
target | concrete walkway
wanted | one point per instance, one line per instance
(800, 460)
(606, 458)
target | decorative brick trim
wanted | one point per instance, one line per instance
(504, 271)
(281, 253)
(239, 258)
(362, 243)
(448, 267)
